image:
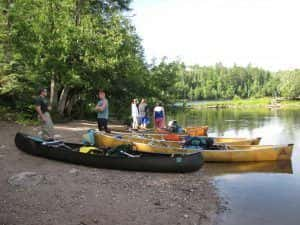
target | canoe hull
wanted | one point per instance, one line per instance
(153, 163)
(233, 153)
(257, 154)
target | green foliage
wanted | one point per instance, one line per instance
(162, 80)
(236, 98)
(79, 46)
(290, 83)
(219, 82)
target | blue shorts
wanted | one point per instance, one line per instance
(145, 120)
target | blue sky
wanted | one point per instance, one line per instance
(264, 33)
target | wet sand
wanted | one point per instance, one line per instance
(77, 195)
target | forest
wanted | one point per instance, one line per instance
(76, 47)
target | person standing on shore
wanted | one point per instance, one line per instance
(42, 108)
(159, 116)
(144, 113)
(134, 114)
(102, 112)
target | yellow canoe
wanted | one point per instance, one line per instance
(230, 153)
(149, 139)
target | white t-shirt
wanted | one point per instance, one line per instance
(158, 108)
(134, 110)
(159, 112)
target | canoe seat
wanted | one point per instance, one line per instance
(125, 150)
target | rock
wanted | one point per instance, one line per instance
(157, 203)
(74, 171)
(2, 146)
(185, 215)
(1, 156)
(26, 179)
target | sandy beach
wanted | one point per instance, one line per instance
(38, 191)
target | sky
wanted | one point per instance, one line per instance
(265, 33)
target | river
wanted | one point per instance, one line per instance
(266, 193)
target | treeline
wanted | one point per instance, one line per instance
(179, 81)
(75, 47)
(219, 82)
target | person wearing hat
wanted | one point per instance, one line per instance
(42, 108)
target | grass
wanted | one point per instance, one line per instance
(290, 103)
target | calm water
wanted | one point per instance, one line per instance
(257, 193)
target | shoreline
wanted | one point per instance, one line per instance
(242, 103)
(74, 194)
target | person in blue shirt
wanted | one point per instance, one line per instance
(102, 112)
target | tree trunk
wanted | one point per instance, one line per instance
(7, 42)
(79, 4)
(62, 100)
(53, 93)
(70, 105)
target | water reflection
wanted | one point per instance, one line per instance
(223, 119)
(265, 193)
(220, 169)
(247, 122)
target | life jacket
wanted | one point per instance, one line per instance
(196, 131)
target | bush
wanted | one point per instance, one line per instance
(236, 98)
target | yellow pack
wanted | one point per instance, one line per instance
(87, 149)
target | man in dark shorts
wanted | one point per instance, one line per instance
(41, 107)
(144, 113)
(102, 111)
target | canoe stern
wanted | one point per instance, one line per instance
(285, 153)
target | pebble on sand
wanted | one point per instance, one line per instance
(74, 171)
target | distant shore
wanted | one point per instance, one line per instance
(242, 103)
